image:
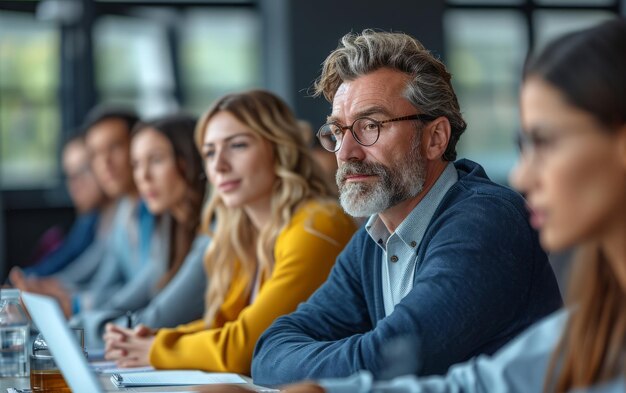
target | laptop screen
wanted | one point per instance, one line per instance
(47, 315)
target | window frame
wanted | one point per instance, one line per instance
(528, 10)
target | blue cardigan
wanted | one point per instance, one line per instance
(481, 278)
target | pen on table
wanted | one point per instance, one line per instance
(129, 319)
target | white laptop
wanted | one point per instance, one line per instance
(68, 355)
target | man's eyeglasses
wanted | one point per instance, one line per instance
(364, 130)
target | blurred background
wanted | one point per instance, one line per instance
(58, 58)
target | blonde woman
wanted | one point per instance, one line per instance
(278, 231)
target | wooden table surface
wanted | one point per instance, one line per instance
(105, 380)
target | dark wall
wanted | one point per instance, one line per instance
(300, 34)
(24, 227)
(26, 215)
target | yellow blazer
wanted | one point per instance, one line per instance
(304, 253)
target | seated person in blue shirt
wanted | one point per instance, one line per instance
(447, 266)
(87, 197)
(573, 171)
(103, 269)
(107, 131)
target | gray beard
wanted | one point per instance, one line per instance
(397, 183)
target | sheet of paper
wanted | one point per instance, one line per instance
(14, 390)
(110, 367)
(173, 378)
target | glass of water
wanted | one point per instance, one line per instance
(14, 334)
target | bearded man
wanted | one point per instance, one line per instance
(447, 266)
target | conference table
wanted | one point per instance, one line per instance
(105, 381)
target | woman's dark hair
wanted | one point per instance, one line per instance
(589, 68)
(101, 113)
(179, 131)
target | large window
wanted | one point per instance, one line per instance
(486, 44)
(133, 64)
(29, 110)
(486, 50)
(169, 60)
(156, 59)
(220, 53)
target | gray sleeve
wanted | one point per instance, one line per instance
(136, 293)
(130, 296)
(519, 367)
(140, 287)
(81, 270)
(108, 280)
(182, 299)
(106, 277)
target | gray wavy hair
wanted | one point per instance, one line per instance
(430, 89)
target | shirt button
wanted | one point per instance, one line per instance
(394, 258)
(413, 243)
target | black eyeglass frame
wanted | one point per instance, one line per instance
(379, 123)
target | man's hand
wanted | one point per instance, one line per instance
(305, 387)
(128, 347)
(43, 286)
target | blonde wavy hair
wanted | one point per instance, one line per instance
(235, 239)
